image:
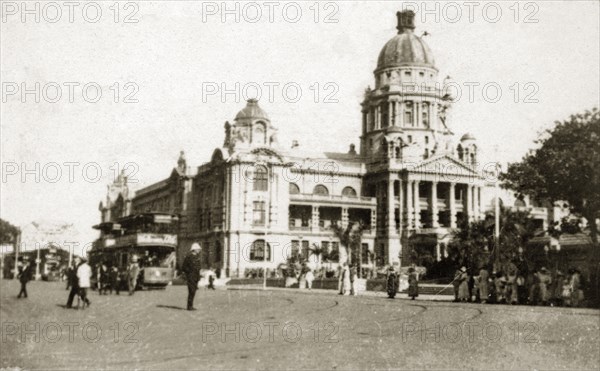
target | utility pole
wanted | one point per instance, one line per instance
(497, 212)
(17, 246)
(267, 222)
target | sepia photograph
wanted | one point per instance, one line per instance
(299, 185)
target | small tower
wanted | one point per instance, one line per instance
(251, 128)
(466, 150)
(402, 111)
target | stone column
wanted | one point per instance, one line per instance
(344, 217)
(452, 205)
(315, 218)
(478, 205)
(417, 205)
(391, 207)
(469, 202)
(434, 206)
(409, 205)
(401, 114)
(378, 115)
(438, 255)
(400, 204)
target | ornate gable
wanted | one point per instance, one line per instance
(445, 166)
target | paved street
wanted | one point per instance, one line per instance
(255, 329)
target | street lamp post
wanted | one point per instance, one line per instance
(267, 223)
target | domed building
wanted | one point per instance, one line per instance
(256, 202)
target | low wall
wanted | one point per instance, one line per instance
(332, 284)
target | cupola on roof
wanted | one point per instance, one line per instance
(252, 111)
(406, 48)
(467, 136)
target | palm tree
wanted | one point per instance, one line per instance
(351, 239)
(319, 252)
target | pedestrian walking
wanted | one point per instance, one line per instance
(521, 289)
(103, 279)
(73, 281)
(500, 285)
(25, 276)
(191, 271)
(482, 284)
(392, 282)
(456, 283)
(413, 283)
(532, 283)
(211, 280)
(463, 288)
(345, 280)
(512, 288)
(84, 275)
(576, 288)
(544, 281)
(133, 272)
(353, 280)
(114, 279)
(557, 289)
(309, 279)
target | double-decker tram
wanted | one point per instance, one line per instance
(149, 238)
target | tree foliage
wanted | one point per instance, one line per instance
(351, 239)
(566, 166)
(8, 232)
(473, 244)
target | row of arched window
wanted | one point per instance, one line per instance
(321, 190)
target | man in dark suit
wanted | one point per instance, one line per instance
(25, 276)
(73, 281)
(191, 271)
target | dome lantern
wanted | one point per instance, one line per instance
(406, 48)
(252, 111)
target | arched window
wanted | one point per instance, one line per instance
(257, 251)
(426, 114)
(261, 175)
(294, 189)
(408, 114)
(321, 190)
(460, 152)
(348, 192)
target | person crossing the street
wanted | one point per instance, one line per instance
(191, 271)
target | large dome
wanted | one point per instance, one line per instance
(406, 48)
(252, 111)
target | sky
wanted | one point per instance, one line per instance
(167, 72)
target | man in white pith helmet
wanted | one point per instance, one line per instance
(191, 271)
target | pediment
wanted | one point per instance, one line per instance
(445, 165)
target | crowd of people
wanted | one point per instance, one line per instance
(108, 278)
(537, 287)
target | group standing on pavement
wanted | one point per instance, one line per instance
(534, 287)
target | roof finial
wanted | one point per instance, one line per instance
(406, 20)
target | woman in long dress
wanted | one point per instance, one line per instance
(483, 285)
(413, 283)
(392, 282)
(463, 288)
(345, 280)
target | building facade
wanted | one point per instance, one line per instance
(256, 202)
